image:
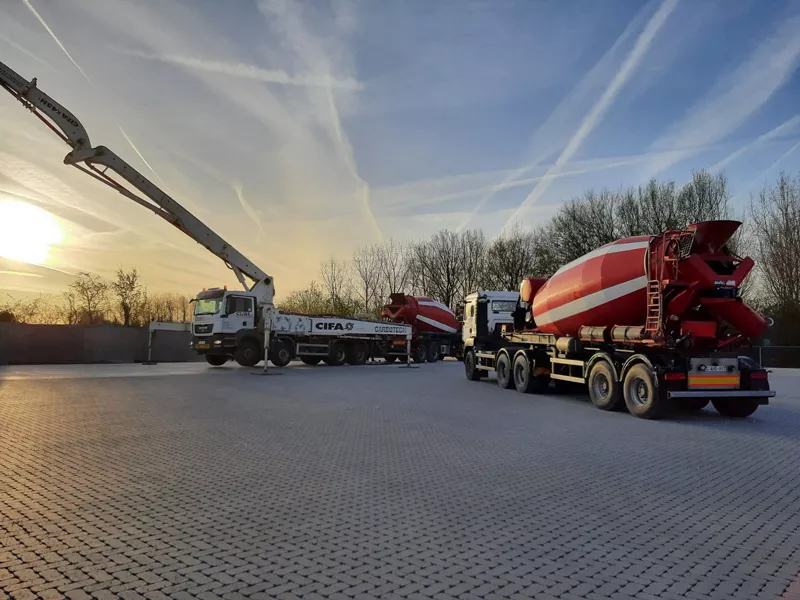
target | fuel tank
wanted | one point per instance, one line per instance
(424, 314)
(607, 286)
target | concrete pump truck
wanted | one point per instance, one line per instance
(225, 324)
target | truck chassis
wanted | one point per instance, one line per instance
(647, 383)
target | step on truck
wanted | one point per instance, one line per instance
(225, 324)
(648, 323)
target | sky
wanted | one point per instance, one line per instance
(300, 130)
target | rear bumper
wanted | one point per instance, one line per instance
(761, 395)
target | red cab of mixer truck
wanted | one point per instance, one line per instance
(648, 323)
(436, 330)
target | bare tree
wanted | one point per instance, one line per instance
(438, 268)
(91, 293)
(775, 219)
(511, 257)
(335, 277)
(472, 251)
(129, 293)
(583, 224)
(311, 300)
(395, 267)
(367, 272)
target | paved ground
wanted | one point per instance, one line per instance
(183, 481)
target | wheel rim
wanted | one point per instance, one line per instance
(601, 386)
(639, 393)
(519, 373)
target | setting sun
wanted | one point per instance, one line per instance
(27, 232)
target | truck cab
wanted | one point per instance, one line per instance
(220, 318)
(485, 313)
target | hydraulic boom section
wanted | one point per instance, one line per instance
(97, 161)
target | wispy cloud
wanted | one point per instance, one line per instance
(248, 208)
(594, 116)
(55, 39)
(579, 168)
(553, 133)
(761, 176)
(736, 96)
(22, 49)
(310, 51)
(82, 72)
(20, 274)
(785, 128)
(252, 72)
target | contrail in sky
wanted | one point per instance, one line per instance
(599, 109)
(53, 35)
(77, 66)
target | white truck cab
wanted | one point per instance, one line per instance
(485, 313)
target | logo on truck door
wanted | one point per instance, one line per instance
(334, 326)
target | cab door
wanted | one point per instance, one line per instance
(240, 313)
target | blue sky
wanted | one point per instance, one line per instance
(299, 130)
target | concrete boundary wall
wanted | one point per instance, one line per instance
(22, 344)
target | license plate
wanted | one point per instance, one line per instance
(201, 345)
(717, 369)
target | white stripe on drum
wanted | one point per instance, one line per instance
(570, 309)
(435, 304)
(602, 251)
(436, 324)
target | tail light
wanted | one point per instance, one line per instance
(675, 376)
(758, 375)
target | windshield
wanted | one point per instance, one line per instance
(207, 306)
(503, 306)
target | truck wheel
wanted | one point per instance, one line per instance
(357, 354)
(470, 366)
(280, 354)
(216, 360)
(248, 353)
(502, 366)
(390, 358)
(692, 404)
(434, 353)
(311, 360)
(605, 391)
(738, 408)
(524, 380)
(421, 355)
(337, 355)
(641, 394)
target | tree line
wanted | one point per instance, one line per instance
(92, 300)
(450, 264)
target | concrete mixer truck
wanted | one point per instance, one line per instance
(647, 323)
(436, 331)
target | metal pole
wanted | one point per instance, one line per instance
(151, 334)
(760, 358)
(267, 328)
(408, 354)
(267, 333)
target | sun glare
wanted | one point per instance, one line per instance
(27, 232)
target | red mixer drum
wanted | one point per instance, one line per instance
(424, 314)
(607, 286)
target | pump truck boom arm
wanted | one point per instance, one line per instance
(97, 161)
